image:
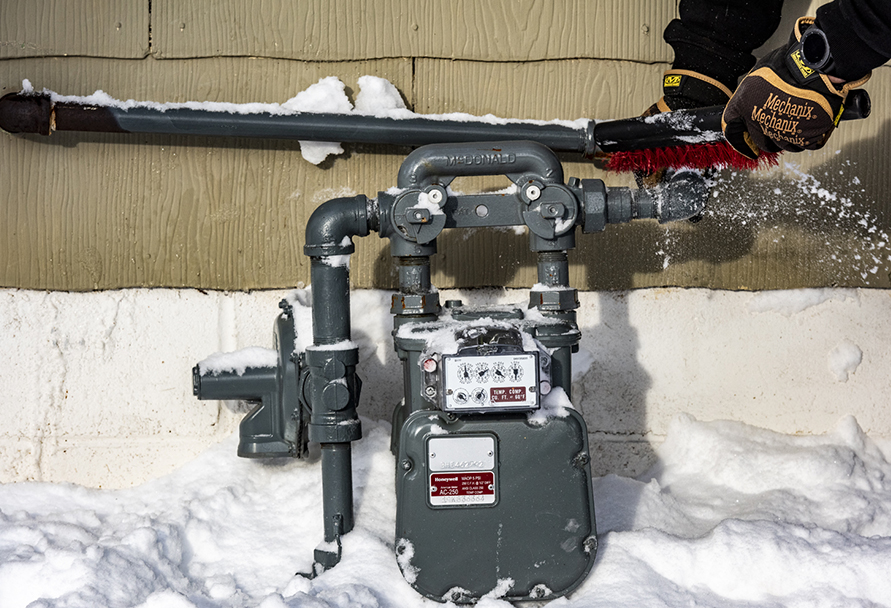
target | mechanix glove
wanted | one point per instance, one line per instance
(682, 90)
(685, 89)
(787, 102)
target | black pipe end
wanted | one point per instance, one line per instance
(26, 113)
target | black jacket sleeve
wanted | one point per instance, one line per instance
(716, 38)
(859, 34)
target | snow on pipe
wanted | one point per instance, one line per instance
(26, 113)
(37, 113)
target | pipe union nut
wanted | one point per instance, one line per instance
(554, 300)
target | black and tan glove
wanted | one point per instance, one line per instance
(682, 90)
(787, 102)
(685, 89)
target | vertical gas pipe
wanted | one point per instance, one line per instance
(333, 387)
(557, 302)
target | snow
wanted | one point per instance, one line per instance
(844, 359)
(377, 97)
(238, 361)
(788, 303)
(336, 261)
(828, 200)
(424, 202)
(327, 95)
(731, 515)
(554, 405)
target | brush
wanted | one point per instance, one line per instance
(693, 139)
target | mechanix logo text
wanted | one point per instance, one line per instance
(780, 118)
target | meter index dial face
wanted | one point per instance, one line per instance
(479, 395)
(474, 383)
(515, 372)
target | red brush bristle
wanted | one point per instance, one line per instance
(720, 155)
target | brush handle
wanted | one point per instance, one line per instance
(689, 127)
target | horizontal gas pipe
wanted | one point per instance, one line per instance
(24, 113)
(27, 113)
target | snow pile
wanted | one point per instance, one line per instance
(732, 516)
(844, 359)
(327, 95)
(737, 516)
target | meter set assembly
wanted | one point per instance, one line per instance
(493, 477)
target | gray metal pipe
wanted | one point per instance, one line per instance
(333, 223)
(330, 302)
(22, 113)
(329, 233)
(414, 274)
(337, 496)
(426, 166)
(553, 268)
(333, 385)
(28, 113)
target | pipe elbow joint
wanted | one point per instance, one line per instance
(333, 223)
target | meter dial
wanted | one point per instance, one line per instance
(499, 372)
(465, 372)
(481, 372)
(479, 395)
(515, 372)
(461, 396)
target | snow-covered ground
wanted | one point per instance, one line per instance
(732, 516)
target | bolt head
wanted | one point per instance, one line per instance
(435, 196)
(533, 193)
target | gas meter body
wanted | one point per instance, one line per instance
(493, 483)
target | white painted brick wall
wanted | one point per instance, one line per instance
(95, 388)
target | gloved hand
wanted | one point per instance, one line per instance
(682, 90)
(784, 103)
(685, 89)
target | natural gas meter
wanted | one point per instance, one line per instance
(493, 483)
